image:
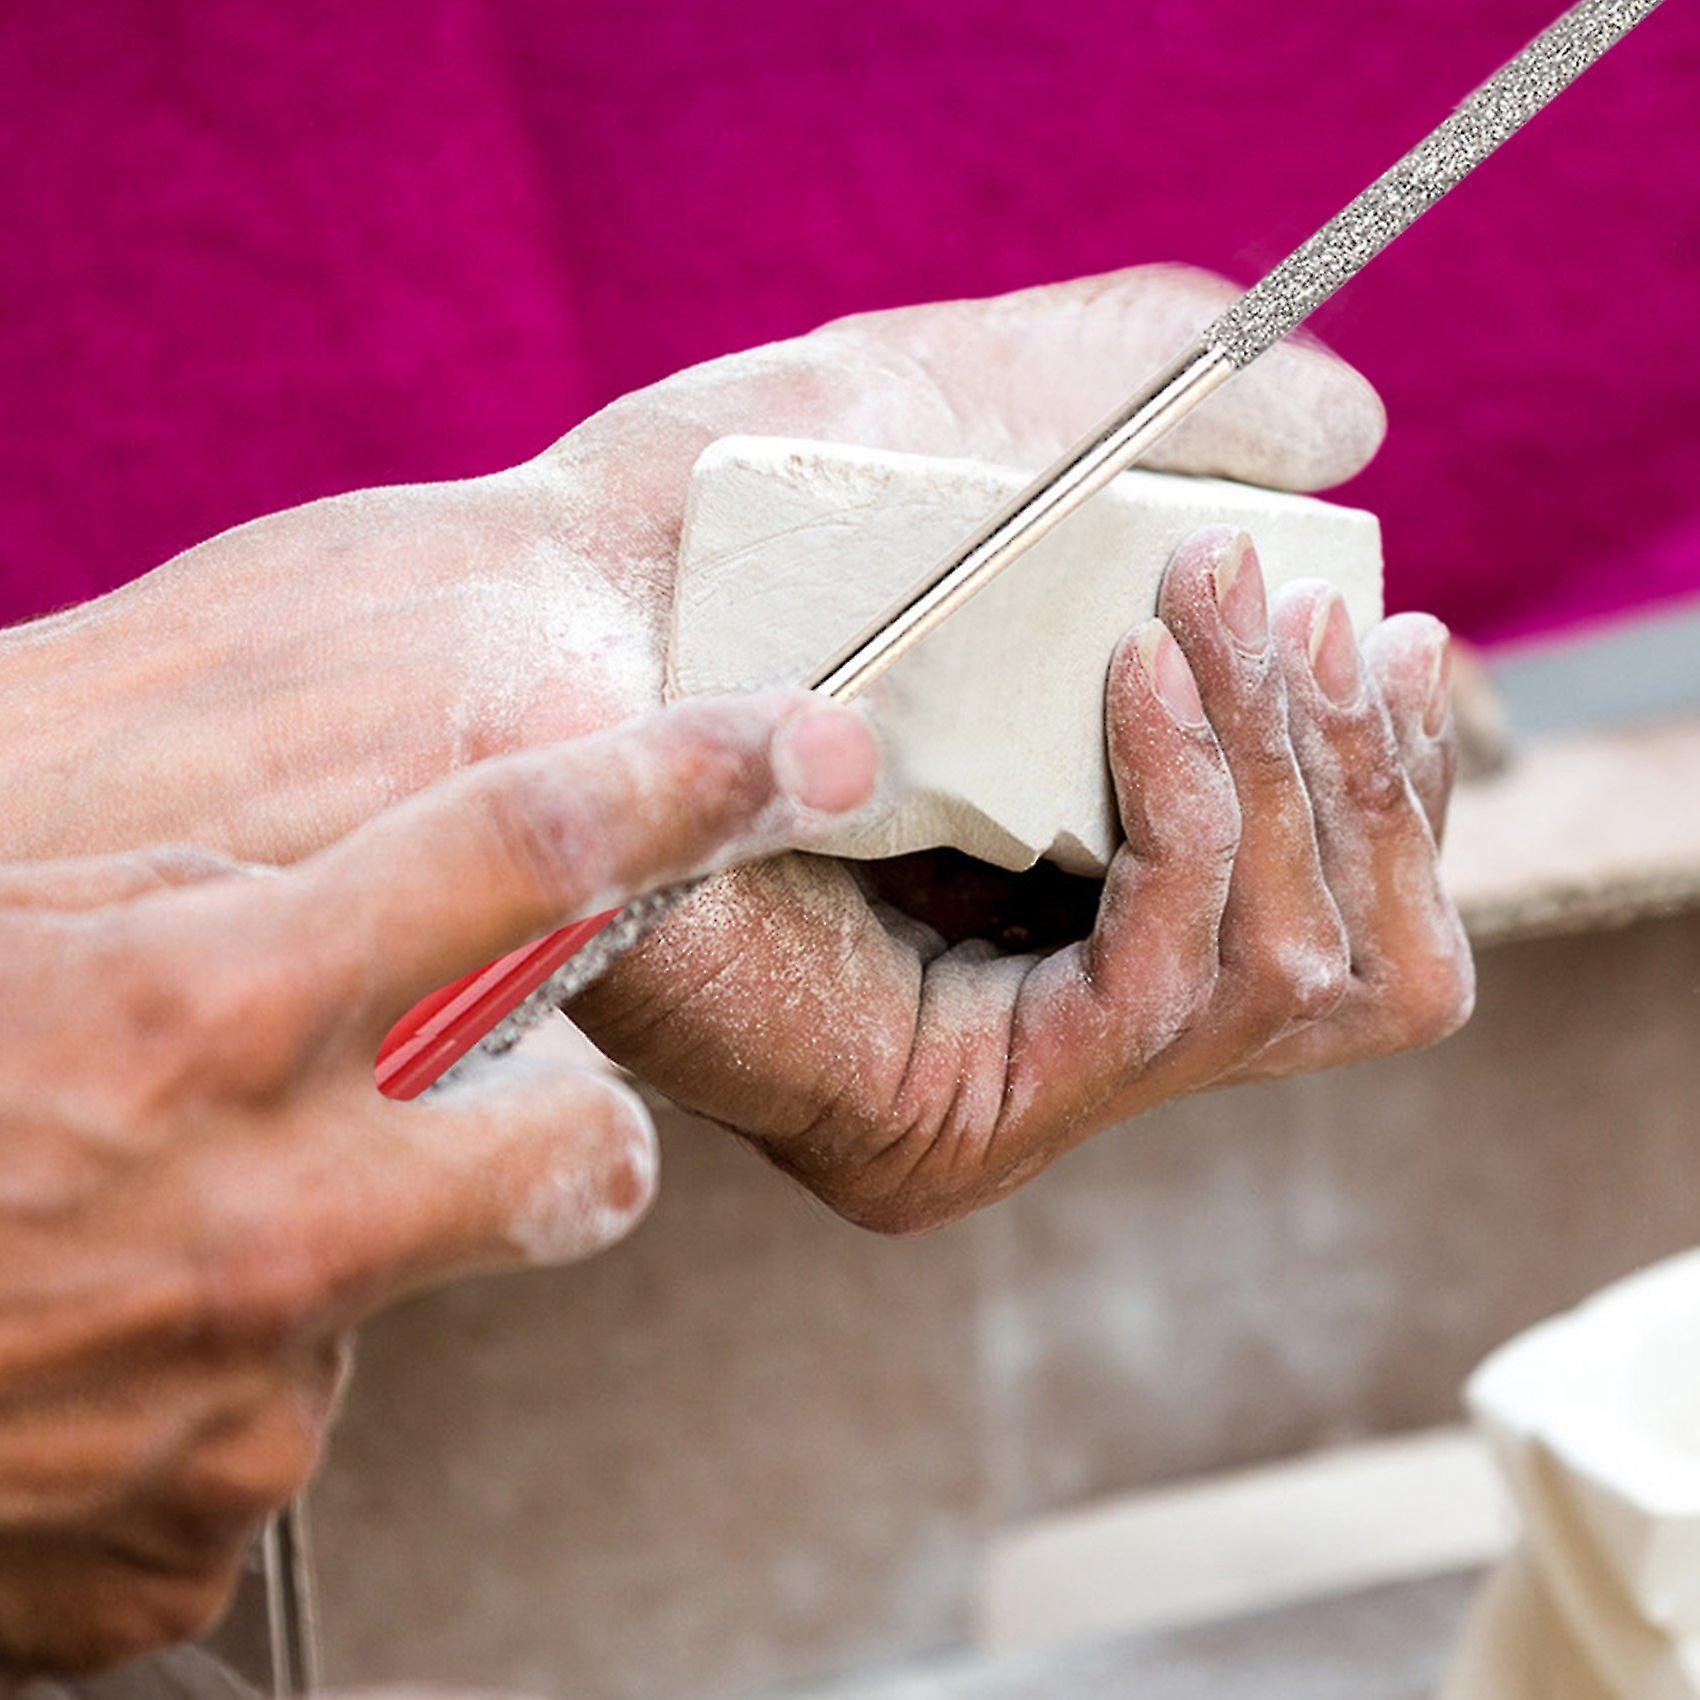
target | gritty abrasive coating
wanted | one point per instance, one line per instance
(589, 965)
(1439, 162)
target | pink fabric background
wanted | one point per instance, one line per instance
(255, 253)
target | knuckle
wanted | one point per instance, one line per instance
(1378, 791)
(1200, 850)
(946, 1162)
(112, 1635)
(214, 1022)
(1265, 761)
(188, 864)
(1447, 998)
(259, 1285)
(1147, 1000)
(1300, 981)
(712, 764)
(529, 835)
(899, 1213)
(1315, 995)
(1190, 987)
(1433, 992)
(155, 1007)
(231, 1011)
(153, 1051)
(805, 376)
(165, 1611)
(78, 1479)
(904, 1191)
(625, 802)
(243, 1483)
(1221, 848)
(121, 1614)
(1188, 282)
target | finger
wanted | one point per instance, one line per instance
(530, 1162)
(241, 1467)
(505, 851)
(1013, 379)
(194, 1506)
(1021, 376)
(190, 1429)
(1410, 659)
(91, 882)
(74, 1604)
(1094, 1016)
(1412, 976)
(1283, 944)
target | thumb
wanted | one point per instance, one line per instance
(1012, 379)
(507, 850)
(1023, 375)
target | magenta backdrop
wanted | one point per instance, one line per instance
(255, 253)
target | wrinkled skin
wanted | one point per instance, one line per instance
(1277, 906)
(200, 1192)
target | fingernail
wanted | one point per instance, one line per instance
(1168, 674)
(1240, 597)
(1439, 688)
(824, 758)
(1334, 660)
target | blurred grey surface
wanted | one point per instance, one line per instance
(753, 1447)
(1642, 668)
(1382, 1644)
(184, 1673)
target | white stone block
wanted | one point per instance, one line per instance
(994, 724)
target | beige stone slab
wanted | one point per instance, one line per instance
(1591, 829)
(1383, 1644)
(1246, 1541)
(1594, 1417)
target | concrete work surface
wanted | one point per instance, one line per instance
(1383, 1644)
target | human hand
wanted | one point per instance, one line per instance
(1277, 907)
(201, 1191)
(358, 648)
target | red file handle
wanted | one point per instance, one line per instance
(439, 1030)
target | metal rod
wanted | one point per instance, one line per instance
(1111, 447)
(292, 1620)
